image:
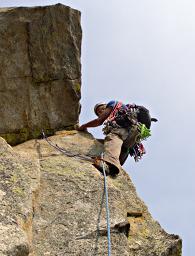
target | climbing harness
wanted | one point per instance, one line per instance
(107, 208)
(121, 116)
(66, 152)
(110, 122)
(127, 115)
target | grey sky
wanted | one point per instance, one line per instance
(143, 51)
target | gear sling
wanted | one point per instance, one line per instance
(136, 119)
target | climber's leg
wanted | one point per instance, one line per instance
(112, 148)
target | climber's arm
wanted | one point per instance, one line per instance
(96, 122)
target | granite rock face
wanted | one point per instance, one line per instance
(54, 204)
(40, 71)
(18, 181)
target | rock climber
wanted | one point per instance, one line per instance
(124, 125)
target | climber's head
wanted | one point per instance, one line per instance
(99, 108)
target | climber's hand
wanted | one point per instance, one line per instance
(82, 128)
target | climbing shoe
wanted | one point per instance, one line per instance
(114, 171)
(100, 164)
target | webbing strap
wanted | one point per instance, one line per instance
(107, 208)
(113, 113)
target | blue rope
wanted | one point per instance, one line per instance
(107, 208)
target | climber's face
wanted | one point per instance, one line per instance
(101, 109)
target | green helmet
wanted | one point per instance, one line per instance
(97, 106)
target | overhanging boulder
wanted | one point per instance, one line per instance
(40, 71)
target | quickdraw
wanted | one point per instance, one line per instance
(110, 122)
(126, 117)
(137, 151)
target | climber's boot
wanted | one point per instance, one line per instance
(100, 164)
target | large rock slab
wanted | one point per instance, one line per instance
(69, 215)
(19, 181)
(40, 71)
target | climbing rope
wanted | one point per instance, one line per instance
(65, 152)
(107, 207)
(88, 158)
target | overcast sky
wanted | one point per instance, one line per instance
(143, 51)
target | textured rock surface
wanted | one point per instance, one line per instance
(40, 71)
(19, 179)
(54, 204)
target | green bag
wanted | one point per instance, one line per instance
(144, 131)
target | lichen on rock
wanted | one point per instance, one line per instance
(65, 201)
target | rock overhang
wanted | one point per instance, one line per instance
(40, 73)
